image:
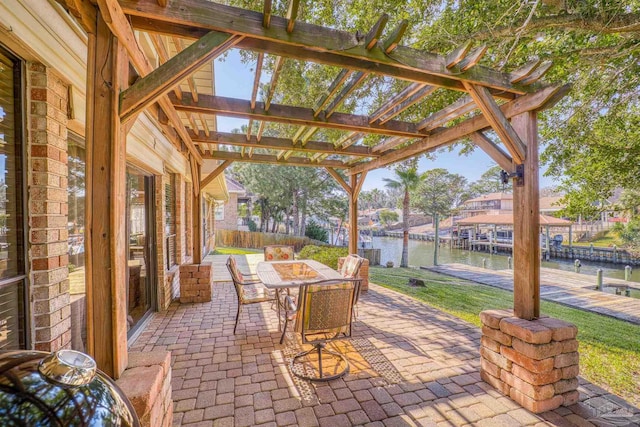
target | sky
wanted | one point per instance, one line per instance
(235, 79)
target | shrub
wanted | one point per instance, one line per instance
(315, 232)
(328, 255)
(252, 225)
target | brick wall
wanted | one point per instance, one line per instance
(47, 102)
(230, 221)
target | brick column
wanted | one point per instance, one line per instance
(48, 173)
(535, 362)
(195, 282)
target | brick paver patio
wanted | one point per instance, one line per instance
(411, 365)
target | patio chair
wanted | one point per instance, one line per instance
(278, 253)
(323, 314)
(248, 291)
(351, 270)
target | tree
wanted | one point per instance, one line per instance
(387, 217)
(439, 193)
(489, 182)
(407, 180)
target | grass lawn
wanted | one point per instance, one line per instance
(234, 251)
(607, 240)
(609, 348)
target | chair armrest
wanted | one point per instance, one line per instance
(250, 282)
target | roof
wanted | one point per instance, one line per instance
(234, 186)
(551, 203)
(507, 219)
(491, 196)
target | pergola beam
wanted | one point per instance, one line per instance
(530, 102)
(491, 111)
(274, 160)
(161, 80)
(460, 107)
(494, 151)
(292, 115)
(217, 171)
(339, 179)
(411, 100)
(273, 143)
(426, 67)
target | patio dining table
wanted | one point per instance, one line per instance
(284, 275)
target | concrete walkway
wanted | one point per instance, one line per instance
(564, 287)
(410, 365)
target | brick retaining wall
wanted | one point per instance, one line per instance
(533, 362)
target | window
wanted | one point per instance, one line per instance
(12, 250)
(170, 220)
(76, 187)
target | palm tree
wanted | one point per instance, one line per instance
(407, 181)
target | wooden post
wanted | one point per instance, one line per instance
(197, 220)
(353, 215)
(105, 204)
(526, 215)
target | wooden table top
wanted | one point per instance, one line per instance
(286, 274)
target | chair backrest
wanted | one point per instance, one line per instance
(351, 266)
(278, 253)
(236, 276)
(325, 309)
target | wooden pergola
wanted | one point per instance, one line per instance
(122, 83)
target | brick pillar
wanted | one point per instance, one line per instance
(195, 282)
(47, 198)
(535, 362)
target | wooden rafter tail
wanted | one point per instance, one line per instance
(83, 11)
(266, 14)
(498, 121)
(192, 122)
(159, 81)
(256, 79)
(523, 72)
(537, 74)
(460, 107)
(250, 153)
(458, 54)
(372, 37)
(292, 14)
(280, 155)
(296, 137)
(249, 129)
(494, 151)
(260, 130)
(350, 139)
(339, 179)
(344, 93)
(446, 136)
(472, 59)
(205, 127)
(335, 85)
(307, 136)
(395, 100)
(412, 100)
(274, 81)
(287, 155)
(119, 25)
(217, 171)
(391, 42)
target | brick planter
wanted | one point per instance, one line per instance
(147, 384)
(195, 282)
(363, 274)
(533, 362)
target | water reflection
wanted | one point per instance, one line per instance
(421, 254)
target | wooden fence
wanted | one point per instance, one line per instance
(256, 240)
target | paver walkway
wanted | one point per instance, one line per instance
(411, 365)
(564, 287)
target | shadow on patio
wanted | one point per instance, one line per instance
(410, 365)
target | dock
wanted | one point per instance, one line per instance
(563, 287)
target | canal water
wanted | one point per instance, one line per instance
(421, 255)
